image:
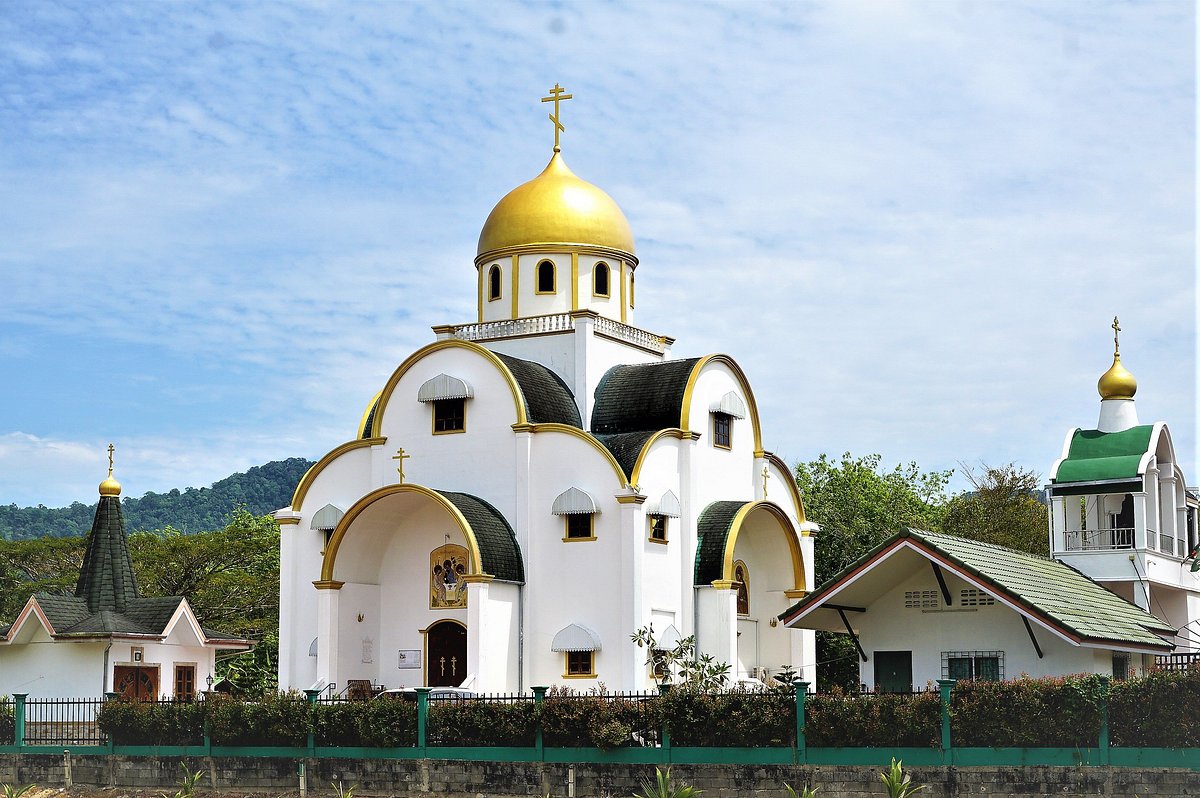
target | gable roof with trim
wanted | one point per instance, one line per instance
(1047, 591)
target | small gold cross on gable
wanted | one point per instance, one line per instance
(556, 96)
(766, 474)
(400, 457)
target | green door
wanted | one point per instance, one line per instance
(893, 671)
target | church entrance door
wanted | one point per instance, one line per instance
(446, 665)
(136, 682)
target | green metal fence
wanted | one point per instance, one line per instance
(662, 753)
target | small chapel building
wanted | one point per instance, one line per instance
(107, 637)
(531, 488)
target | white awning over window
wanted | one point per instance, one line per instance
(312, 648)
(731, 405)
(667, 504)
(327, 517)
(574, 501)
(669, 638)
(443, 386)
(575, 637)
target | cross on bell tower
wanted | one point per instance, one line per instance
(557, 96)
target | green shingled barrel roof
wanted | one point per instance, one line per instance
(497, 544)
(713, 530)
(1094, 455)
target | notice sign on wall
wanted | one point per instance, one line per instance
(410, 658)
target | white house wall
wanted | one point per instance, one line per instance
(888, 626)
(44, 668)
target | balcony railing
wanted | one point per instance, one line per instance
(1099, 539)
(557, 322)
(1177, 662)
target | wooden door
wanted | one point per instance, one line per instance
(446, 665)
(136, 682)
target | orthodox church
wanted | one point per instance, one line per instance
(531, 488)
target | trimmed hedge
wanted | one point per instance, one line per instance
(853, 720)
(1157, 710)
(1027, 713)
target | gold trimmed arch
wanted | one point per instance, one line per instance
(335, 541)
(583, 435)
(672, 432)
(793, 540)
(362, 422)
(451, 343)
(310, 475)
(777, 461)
(686, 410)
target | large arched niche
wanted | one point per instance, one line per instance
(398, 519)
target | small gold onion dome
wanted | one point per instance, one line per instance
(556, 207)
(110, 487)
(1117, 382)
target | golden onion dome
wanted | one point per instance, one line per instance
(110, 487)
(556, 207)
(1117, 382)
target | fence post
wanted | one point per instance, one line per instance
(944, 688)
(422, 718)
(801, 752)
(665, 731)
(19, 719)
(311, 696)
(108, 698)
(1102, 743)
(539, 695)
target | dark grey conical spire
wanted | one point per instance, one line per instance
(106, 579)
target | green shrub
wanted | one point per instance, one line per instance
(848, 720)
(482, 723)
(737, 718)
(276, 719)
(1158, 710)
(7, 726)
(368, 724)
(1027, 713)
(153, 723)
(595, 719)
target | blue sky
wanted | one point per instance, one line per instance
(223, 225)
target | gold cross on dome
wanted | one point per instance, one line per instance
(110, 458)
(1116, 325)
(766, 474)
(557, 96)
(400, 457)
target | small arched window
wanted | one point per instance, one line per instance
(493, 283)
(600, 279)
(545, 277)
(741, 575)
(631, 289)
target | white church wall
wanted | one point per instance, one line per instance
(359, 619)
(663, 582)
(340, 483)
(888, 625)
(762, 547)
(532, 303)
(716, 624)
(500, 625)
(555, 351)
(610, 305)
(721, 473)
(436, 461)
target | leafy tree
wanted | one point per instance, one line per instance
(1002, 509)
(48, 565)
(859, 505)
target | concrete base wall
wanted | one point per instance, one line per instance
(459, 779)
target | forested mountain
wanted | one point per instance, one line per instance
(261, 490)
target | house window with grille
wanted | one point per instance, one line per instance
(1121, 662)
(449, 415)
(984, 666)
(972, 597)
(920, 599)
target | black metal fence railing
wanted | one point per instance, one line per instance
(63, 721)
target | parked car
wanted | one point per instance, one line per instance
(435, 694)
